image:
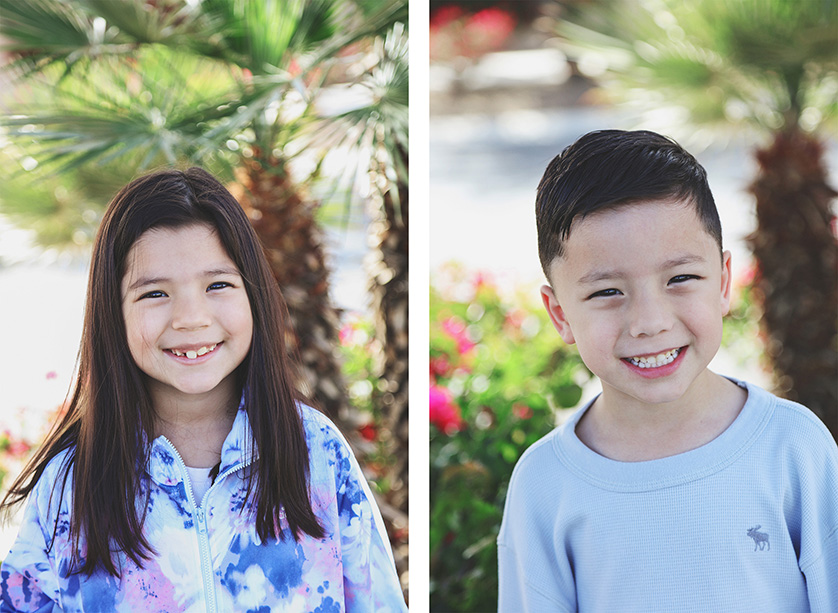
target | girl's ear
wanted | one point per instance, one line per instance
(557, 314)
(726, 283)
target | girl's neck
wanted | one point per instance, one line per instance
(196, 426)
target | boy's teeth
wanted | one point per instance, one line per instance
(192, 354)
(656, 361)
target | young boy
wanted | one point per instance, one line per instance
(675, 489)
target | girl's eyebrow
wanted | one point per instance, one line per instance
(222, 271)
(214, 272)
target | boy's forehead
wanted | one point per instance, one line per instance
(639, 233)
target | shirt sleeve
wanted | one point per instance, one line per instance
(370, 579)
(820, 535)
(514, 593)
(533, 577)
(27, 578)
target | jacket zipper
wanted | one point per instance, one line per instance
(201, 527)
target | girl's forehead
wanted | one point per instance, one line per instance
(191, 230)
(163, 250)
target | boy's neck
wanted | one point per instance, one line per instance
(627, 430)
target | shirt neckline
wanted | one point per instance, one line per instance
(670, 471)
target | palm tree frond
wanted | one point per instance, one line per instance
(42, 32)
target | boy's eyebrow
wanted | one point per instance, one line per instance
(607, 275)
(145, 281)
(600, 275)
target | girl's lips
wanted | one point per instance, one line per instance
(193, 354)
(654, 372)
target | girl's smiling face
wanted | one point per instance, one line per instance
(641, 290)
(187, 314)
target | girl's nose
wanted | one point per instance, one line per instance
(649, 315)
(191, 313)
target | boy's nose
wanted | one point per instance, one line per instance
(190, 313)
(648, 316)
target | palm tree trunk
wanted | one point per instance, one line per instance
(294, 245)
(389, 291)
(797, 258)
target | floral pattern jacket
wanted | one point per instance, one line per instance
(209, 557)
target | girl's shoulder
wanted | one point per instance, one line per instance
(54, 487)
(318, 427)
(328, 448)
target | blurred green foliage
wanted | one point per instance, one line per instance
(498, 377)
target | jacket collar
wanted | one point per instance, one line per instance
(166, 467)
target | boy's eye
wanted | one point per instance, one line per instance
(605, 293)
(683, 278)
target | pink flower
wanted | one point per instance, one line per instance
(18, 448)
(515, 318)
(345, 334)
(521, 411)
(456, 329)
(445, 414)
(747, 276)
(481, 280)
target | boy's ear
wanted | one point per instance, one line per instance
(557, 314)
(726, 282)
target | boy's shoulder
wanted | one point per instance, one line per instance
(790, 423)
(540, 461)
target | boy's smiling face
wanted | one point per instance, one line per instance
(641, 290)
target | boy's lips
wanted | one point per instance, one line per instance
(659, 364)
(651, 360)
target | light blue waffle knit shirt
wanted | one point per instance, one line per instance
(747, 522)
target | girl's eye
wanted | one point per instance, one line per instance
(219, 285)
(683, 278)
(605, 293)
(153, 294)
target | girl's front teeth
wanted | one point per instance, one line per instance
(656, 361)
(192, 354)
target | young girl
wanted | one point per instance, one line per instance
(186, 475)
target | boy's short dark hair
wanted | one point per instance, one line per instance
(607, 168)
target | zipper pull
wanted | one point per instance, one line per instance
(201, 518)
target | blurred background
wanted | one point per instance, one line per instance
(748, 86)
(300, 108)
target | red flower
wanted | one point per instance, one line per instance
(368, 432)
(487, 30)
(440, 366)
(445, 414)
(445, 15)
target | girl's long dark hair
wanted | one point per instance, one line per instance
(110, 420)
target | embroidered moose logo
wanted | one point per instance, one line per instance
(760, 538)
